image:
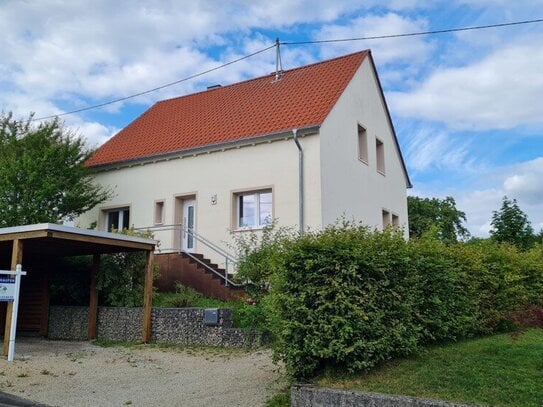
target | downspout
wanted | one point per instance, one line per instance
(300, 180)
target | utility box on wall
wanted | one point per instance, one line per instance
(211, 316)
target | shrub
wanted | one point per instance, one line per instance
(350, 298)
(181, 298)
(343, 298)
(256, 252)
(121, 279)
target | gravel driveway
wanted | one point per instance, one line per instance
(74, 374)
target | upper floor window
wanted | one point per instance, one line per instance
(380, 156)
(254, 209)
(362, 144)
(117, 219)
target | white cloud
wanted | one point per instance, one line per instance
(501, 91)
(428, 148)
(526, 182)
(55, 54)
(410, 50)
(94, 134)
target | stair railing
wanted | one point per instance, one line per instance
(230, 262)
(227, 280)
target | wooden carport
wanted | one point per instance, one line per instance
(35, 245)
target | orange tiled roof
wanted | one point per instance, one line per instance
(303, 97)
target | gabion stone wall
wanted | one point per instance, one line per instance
(120, 324)
(183, 326)
(68, 323)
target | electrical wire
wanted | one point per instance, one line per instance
(188, 78)
(378, 37)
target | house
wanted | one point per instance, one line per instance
(305, 146)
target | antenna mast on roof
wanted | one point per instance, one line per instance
(278, 63)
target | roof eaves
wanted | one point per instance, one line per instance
(208, 148)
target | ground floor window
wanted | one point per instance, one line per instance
(254, 209)
(117, 219)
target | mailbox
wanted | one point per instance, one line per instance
(211, 316)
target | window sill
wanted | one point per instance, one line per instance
(363, 161)
(382, 173)
(249, 229)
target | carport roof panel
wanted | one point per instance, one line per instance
(49, 237)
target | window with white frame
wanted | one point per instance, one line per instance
(117, 219)
(253, 209)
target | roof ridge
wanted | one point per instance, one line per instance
(364, 51)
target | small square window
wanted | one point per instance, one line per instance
(159, 212)
(254, 209)
(380, 156)
(362, 144)
(386, 218)
(395, 221)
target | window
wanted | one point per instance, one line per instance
(395, 221)
(386, 218)
(254, 209)
(159, 212)
(117, 219)
(380, 152)
(362, 144)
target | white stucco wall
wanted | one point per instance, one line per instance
(268, 165)
(351, 187)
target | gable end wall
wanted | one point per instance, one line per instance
(350, 187)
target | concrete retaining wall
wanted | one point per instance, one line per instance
(311, 396)
(184, 326)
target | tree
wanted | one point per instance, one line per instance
(510, 224)
(43, 177)
(441, 214)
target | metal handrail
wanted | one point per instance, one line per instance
(229, 260)
(209, 244)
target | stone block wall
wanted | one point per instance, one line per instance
(183, 326)
(302, 395)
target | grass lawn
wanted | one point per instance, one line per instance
(500, 370)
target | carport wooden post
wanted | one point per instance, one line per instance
(93, 298)
(148, 297)
(16, 258)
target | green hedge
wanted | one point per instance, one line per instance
(351, 298)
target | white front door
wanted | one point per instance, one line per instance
(189, 224)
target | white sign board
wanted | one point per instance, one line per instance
(7, 288)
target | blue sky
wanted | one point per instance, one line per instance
(466, 106)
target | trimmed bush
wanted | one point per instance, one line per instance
(350, 298)
(344, 298)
